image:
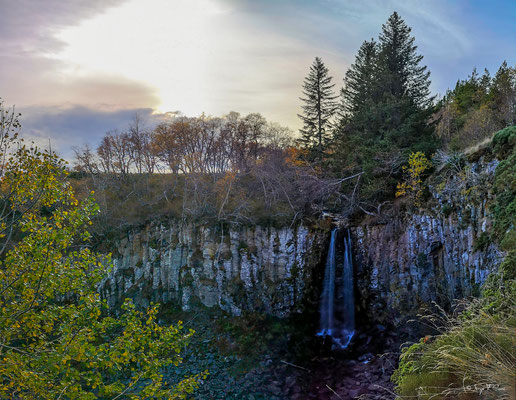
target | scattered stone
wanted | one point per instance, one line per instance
(290, 381)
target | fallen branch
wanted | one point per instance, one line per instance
(334, 392)
(294, 365)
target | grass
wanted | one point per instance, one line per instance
(473, 356)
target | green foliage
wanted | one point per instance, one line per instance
(446, 210)
(477, 107)
(318, 110)
(413, 178)
(504, 141)
(473, 354)
(386, 107)
(55, 340)
(482, 242)
(504, 208)
(359, 83)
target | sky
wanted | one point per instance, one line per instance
(78, 68)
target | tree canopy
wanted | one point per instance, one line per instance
(386, 105)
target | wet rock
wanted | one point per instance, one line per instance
(365, 357)
(290, 381)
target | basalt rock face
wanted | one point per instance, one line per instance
(259, 269)
(404, 260)
(435, 253)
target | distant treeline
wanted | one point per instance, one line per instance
(187, 145)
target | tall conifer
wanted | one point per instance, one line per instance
(318, 109)
(359, 82)
(387, 103)
(402, 75)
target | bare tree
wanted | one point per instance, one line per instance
(85, 160)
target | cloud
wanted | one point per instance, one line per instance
(27, 25)
(32, 81)
(103, 59)
(66, 128)
(31, 75)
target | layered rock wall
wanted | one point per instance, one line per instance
(437, 253)
(247, 268)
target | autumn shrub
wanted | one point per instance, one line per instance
(412, 185)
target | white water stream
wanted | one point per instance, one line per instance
(337, 310)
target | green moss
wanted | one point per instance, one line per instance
(504, 209)
(446, 210)
(207, 282)
(186, 276)
(504, 142)
(482, 242)
(242, 245)
(197, 258)
(236, 288)
(422, 261)
(154, 244)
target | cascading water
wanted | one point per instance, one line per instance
(337, 299)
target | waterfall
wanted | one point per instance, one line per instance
(337, 300)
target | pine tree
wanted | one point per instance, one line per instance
(402, 74)
(387, 104)
(503, 94)
(359, 86)
(318, 109)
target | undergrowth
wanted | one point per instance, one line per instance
(239, 352)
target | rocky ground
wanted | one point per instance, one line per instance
(262, 359)
(332, 379)
(352, 374)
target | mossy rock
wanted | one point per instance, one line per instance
(236, 288)
(207, 282)
(482, 242)
(186, 277)
(197, 258)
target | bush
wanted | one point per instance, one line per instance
(55, 338)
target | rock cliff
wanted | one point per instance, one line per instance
(404, 260)
(261, 269)
(436, 253)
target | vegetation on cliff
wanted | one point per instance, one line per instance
(474, 355)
